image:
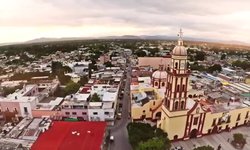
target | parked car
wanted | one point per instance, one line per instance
(119, 115)
(111, 138)
(178, 148)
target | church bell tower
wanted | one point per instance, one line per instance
(177, 78)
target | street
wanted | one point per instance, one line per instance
(119, 130)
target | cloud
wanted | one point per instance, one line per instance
(207, 18)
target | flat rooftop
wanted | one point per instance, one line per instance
(224, 107)
(72, 135)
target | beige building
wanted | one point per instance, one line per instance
(154, 62)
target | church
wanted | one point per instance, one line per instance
(184, 116)
(169, 99)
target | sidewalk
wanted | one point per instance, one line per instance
(216, 139)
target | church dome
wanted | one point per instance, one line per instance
(160, 74)
(179, 50)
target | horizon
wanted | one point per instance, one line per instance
(25, 20)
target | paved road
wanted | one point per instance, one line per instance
(119, 130)
(216, 139)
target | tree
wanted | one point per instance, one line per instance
(64, 79)
(215, 67)
(200, 55)
(83, 80)
(152, 144)
(204, 148)
(55, 67)
(108, 64)
(242, 64)
(71, 88)
(140, 53)
(223, 56)
(196, 66)
(95, 98)
(239, 138)
(10, 90)
(154, 51)
(67, 69)
(142, 135)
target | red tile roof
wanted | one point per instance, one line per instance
(60, 137)
(85, 90)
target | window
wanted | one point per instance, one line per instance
(153, 102)
(156, 83)
(143, 111)
(73, 113)
(168, 103)
(84, 113)
(183, 87)
(95, 113)
(238, 118)
(229, 119)
(247, 114)
(25, 109)
(214, 122)
(15, 110)
(197, 110)
(176, 105)
(163, 84)
(196, 120)
(220, 121)
(178, 88)
(176, 65)
(67, 113)
(106, 113)
(182, 105)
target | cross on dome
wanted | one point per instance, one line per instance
(180, 40)
(180, 34)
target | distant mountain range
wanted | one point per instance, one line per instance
(143, 37)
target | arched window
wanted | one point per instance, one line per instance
(176, 65)
(182, 105)
(176, 105)
(163, 84)
(178, 88)
(175, 137)
(183, 87)
(156, 83)
(168, 103)
(187, 65)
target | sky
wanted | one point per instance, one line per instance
(22, 20)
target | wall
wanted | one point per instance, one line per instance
(79, 113)
(153, 61)
(233, 113)
(40, 113)
(28, 106)
(11, 106)
(173, 125)
(98, 117)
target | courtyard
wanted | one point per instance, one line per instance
(215, 139)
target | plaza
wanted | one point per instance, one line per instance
(215, 139)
